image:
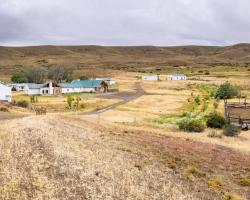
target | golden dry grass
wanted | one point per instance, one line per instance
(54, 157)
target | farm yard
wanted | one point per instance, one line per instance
(125, 144)
(124, 100)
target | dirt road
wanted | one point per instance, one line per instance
(124, 96)
(6, 115)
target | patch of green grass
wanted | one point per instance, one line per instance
(167, 120)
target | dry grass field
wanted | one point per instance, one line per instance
(132, 151)
(73, 157)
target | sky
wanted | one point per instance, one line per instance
(124, 22)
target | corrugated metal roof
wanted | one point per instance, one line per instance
(35, 86)
(82, 84)
(178, 75)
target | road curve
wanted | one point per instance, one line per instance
(126, 97)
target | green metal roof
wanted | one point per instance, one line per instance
(82, 84)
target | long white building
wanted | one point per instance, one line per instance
(176, 77)
(150, 78)
(76, 86)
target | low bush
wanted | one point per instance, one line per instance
(231, 131)
(216, 183)
(207, 72)
(23, 103)
(4, 109)
(197, 100)
(215, 120)
(191, 125)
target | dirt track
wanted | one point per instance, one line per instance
(6, 115)
(124, 96)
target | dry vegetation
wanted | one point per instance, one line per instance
(99, 60)
(125, 153)
(59, 157)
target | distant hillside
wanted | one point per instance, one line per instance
(126, 58)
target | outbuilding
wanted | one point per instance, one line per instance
(5, 93)
(151, 78)
(46, 89)
(78, 86)
(176, 77)
(19, 86)
(107, 80)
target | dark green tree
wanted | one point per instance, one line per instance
(19, 77)
(227, 91)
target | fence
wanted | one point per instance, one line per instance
(237, 119)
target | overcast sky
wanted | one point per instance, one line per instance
(124, 22)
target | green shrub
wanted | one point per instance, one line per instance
(207, 72)
(23, 103)
(19, 77)
(215, 105)
(227, 91)
(70, 101)
(191, 125)
(215, 120)
(197, 100)
(231, 131)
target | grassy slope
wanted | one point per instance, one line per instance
(59, 157)
(129, 58)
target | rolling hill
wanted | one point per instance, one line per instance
(125, 58)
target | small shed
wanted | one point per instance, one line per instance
(176, 77)
(151, 78)
(5, 93)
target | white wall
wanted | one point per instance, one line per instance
(77, 90)
(176, 78)
(150, 78)
(31, 92)
(19, 86)
(5, 93)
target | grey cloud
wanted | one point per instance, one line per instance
(119, 22)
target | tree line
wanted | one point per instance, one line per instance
(38, 74)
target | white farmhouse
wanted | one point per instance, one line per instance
(5, 93)
(46, 89)
(19, 86)
(150, 78)
(176, 77)
(78, 86)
